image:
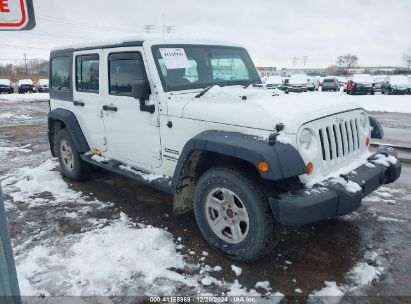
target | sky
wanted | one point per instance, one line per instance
(274, 32)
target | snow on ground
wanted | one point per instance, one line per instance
(31, 97)
(384, 103)
(362, 274)
(104, 256)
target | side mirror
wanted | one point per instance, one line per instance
(141, 90)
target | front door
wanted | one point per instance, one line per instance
(87, 97)
(133, 136)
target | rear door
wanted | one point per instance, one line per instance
(133, 136)
(87, 97)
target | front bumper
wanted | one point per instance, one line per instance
(297, 89)
(362, 90)
(333, 199)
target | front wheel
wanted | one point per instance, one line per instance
(233, 214)
(72, 166)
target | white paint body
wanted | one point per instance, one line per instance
(141, 139)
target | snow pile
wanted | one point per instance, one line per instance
(32, 97)
(384, 160)
(146, 176)
(27, 183)
(350, 186)
(362, 274)
(6, 150)
(100, 159)
(265, 285)
(237, 270)
(330, 294)
(389, 219)
(103, 261)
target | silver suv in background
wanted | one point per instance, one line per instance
(330, 84)
(298, 83)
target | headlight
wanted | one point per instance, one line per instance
(364, 120)
(306, 138)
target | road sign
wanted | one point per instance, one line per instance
(16, 15)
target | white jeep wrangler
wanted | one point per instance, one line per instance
(191, 119)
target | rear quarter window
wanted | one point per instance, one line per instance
(60, 73)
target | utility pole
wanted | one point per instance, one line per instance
(169, 28)
(148, 28)
(305, 59)
(25, 61)
(295, 59)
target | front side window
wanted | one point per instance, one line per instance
(124, 70)
(184, 67)
(87, 73)
(60, 73)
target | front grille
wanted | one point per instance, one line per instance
(340, 139)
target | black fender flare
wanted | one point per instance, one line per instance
(377, 130)
(73, 127)
(283, 159)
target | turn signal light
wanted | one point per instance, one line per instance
(367, 141)
(263, 166)
(310, 168)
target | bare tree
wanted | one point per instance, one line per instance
(347, 61)
(407, 59)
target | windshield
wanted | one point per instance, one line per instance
(184, 67)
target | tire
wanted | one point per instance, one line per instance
(230, 188)
(71, 164)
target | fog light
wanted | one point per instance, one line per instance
(310, 168)
(263, 166)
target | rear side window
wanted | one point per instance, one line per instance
(60, 73)
(124, 70)
(87, 73)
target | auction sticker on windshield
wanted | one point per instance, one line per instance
(16, 15)
(174, 58)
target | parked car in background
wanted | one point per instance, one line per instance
(273, 82)
(313, 83)
(43, 86)
(298, 83)
(361, 84)
(330, 84)
(6, 86)
(284, 86)
(26, 86)
(342, 80)
(378, 81)
(396, 84)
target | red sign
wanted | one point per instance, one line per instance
(16, 15)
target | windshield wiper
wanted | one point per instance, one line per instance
(204, 91)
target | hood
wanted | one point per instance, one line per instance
(261, 109)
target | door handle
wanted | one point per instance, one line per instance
(110, 108)
(78, 103)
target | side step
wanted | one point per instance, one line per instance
(160, 183)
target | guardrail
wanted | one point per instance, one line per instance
(9, 287)
(404, 153)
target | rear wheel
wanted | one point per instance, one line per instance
(233, 214)
(72, 166)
